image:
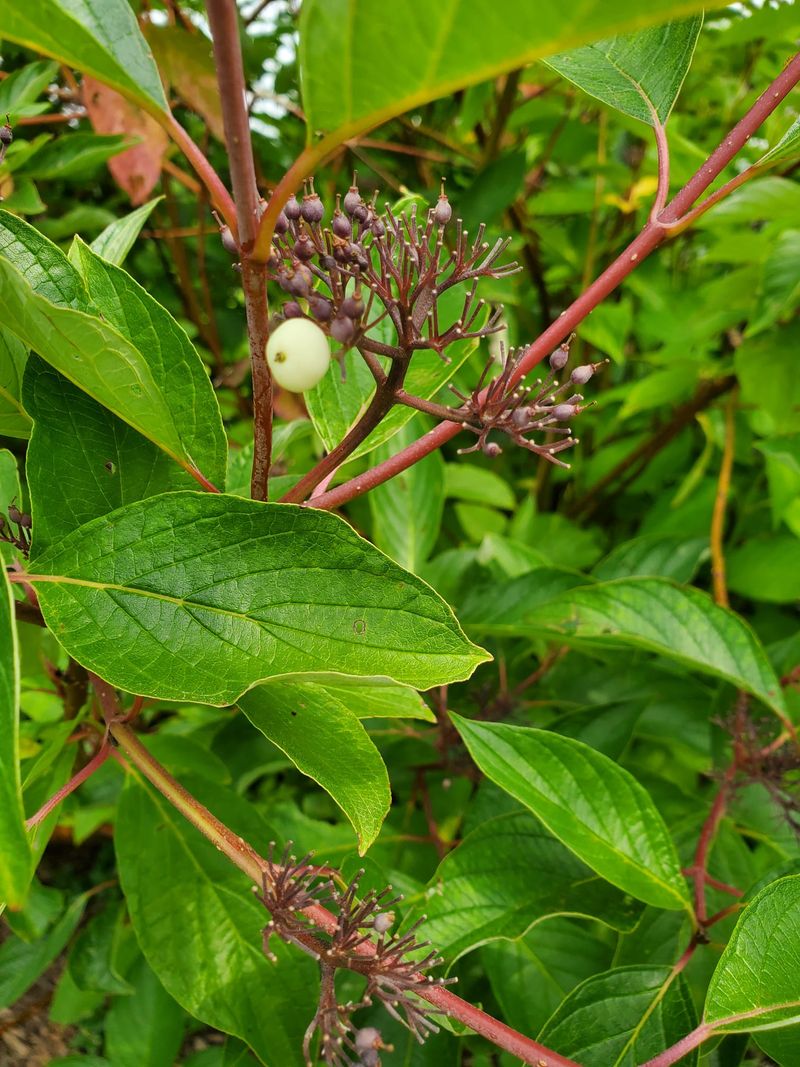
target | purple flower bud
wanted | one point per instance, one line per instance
(443, 212)
(228, 241)
(14, 514)
(564, 411)
(559, 358)
(352, 199)
(343, 329)
(312, 209)
(367, 1037)
(521, 416)
(353, 307)
(6, 135)
(341, 225)
(491, 449)
(327, 262)
(581, 375)
(378, 227)
(321, 308)
(304, 248)
(292, 208)
(292, 310)
(281, 224)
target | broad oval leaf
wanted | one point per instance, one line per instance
(14, 419)
(87, 465)
(639, 74)
(102, 39)
(15, 851)
(622, 1017)
(199, 926)
(327, 742)
(199, 596)
(161, 389)
(505, 877)
(676, 621)
(756, 984)
(595, 807)
(362, 62)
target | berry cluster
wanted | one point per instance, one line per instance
(507, 408)
(391, 969)
(365, 266)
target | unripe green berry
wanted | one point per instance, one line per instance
(298, 355)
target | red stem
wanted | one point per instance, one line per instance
(682, 1048)
(223, 21)
(704, 842)
(220, 197)
(96, 761)
(653, 234)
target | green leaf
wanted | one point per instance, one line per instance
(14, 420)
(76, 156)
(253, 590)
(199, 926)
(325, 741)
(407, 510)
(85, 465)
(766, 568)
(99, 39)
(375, 698)
(22, 962)
(22, 87)
(117, 239)
(622, 1017)
(355, 76)
(594, 806)
(679, 622)
(639, 74)
(15, 851)
(93, 964)
(161, 389)
(780, 292)
(146, 1028)
(507, 876)
(511, 607)
(787, 147)
(756, 984)
(466, 481)
(654, 556)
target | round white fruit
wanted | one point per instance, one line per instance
(298, 355)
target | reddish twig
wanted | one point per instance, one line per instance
(223, 21)
(96, 761)
(720, 505)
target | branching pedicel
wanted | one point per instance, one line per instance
(392, 970)
(365, 269)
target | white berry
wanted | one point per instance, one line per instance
(298, 355)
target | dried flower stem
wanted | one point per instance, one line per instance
(720, 505)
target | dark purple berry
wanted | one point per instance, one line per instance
(377, 227)
(581, 375)
(321, 308)
(292, 310)
(312, 209)
(292, 208)
(300, 280)
(559, 358)
(14, 514)
(353, 307)
(521, 416)
(281, 224)
(443, 212)
(360, 213)
(491, 449)
(341, 225)
(6, 135)
(304, 248)
(343, 329)
(352, 197)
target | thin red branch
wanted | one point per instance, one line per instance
(704, 842)
(653, 234)
(96, 761)
(220, 197)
